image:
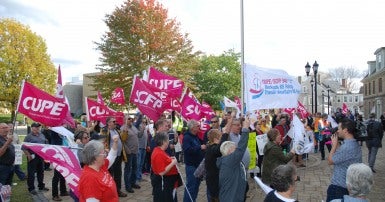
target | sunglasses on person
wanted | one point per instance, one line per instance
(214, 121)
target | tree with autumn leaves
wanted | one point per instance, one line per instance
(141, 35)
(23, 56)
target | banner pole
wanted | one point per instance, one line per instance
(242, 59)
(184, 184)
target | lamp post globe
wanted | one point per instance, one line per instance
(307, 69)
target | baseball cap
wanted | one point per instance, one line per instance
(35, 124)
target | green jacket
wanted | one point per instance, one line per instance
(273, 157)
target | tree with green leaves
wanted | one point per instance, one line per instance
(141, 35)
(218, 76)
(23, 56)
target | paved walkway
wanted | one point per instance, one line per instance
(315, 179)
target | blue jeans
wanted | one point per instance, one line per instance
(141, 156)
(372, 156)
(192, 184)
(6, 174)
(17, 170)
(336, 192)
(130, 170)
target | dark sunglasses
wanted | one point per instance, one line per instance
(214, 121)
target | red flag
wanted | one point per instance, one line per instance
(147, 102)
(344, 108)
(41, 106)
(302, 110)
(99, 99)
(165, 82)
(99, 112)
(59, 85)
(62, 159)
(204, 126)
(169, 101)
(290, 111)
(191, 109)
(60, 94)
(118, 96)
(238, 101)
(207, 110)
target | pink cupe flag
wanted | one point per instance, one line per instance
(238, 101)
(100, 112)
(147, 101)
(60, 94)
(344, 108)
(302, 110)
(99, 99)
(118, 96)
(191, 108)
(41, 106)
(62, 159)
(173, 86)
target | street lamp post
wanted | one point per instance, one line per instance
(328, 98)
(312, 97)
(315, 71)
(323, 102)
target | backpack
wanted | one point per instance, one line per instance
(361, 133)
(372, 129)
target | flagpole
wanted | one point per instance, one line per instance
(242, 59)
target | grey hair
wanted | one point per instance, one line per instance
(226, 146)
(160, 138)
(192, 123)
(91, 150)
(359, 179)
(282, 177)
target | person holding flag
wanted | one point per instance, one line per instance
(35, 164)
(96, 183)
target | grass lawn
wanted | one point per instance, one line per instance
(6, 118)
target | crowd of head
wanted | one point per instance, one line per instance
(144, 147)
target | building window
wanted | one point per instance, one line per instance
(356, 98)
(345, 98)
(379, 61)
(351, 98)
(380, 85)
(338, 98)
(374, 87)
(365, 89)
(369, 90)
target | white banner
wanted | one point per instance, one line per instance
(301, 142)
(18, 154)
(66, 133)
(269, 89)
(261, 141)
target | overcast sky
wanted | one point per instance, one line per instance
(278, 34)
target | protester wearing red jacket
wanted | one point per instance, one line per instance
(96, 183)
(165, 174)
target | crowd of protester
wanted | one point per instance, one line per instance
(147, 148)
